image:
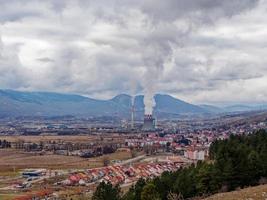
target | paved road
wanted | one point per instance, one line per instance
(133, 160)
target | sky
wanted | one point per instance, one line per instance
(201, 51)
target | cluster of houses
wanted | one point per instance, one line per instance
(196, 153)
(192, 146)
(150, 140)
(87, 150)
(119, 174)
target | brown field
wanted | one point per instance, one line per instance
(251, 193)
(67, 138)
(13, 159)
(8, 196)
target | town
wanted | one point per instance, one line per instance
(39, 161)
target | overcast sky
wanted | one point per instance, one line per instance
(201, 51)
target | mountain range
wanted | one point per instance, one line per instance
(17, 103)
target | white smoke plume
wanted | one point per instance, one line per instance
(154, 57)
(169, 29)
(158, 48)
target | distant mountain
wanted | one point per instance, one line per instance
(212, 109)
(123, 99)
(244, 108)
(17, 103)
(234, 108)
(169, 104)
(240, 108)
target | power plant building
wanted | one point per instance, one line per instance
(149, 123)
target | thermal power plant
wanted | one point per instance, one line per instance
(149, 123)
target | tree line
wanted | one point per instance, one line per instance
(5, 144)
(236, 162)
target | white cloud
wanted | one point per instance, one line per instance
(200, 51)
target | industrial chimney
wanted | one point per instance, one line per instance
(132, 117)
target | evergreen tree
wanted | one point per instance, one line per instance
(164, 184)
(238, 161)
(105, 191)
(134, 192)
(150, 193)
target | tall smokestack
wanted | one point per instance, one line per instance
(132, 112)
(132, 117)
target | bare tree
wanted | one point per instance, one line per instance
(133, 153)
(106, 161)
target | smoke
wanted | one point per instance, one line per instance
(154, 58)
(170, 29)
(157, 51)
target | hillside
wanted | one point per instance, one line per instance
(16, 103)
(251, 193)
(168, 104)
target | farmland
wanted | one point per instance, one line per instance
(19, 158)
(66, 138)
(12, 159)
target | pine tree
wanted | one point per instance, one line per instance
(150, 193)
(105, 191)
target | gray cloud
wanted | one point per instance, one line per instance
(45, 59)
(191, 49)
(11, 72)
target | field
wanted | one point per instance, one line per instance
(67, 138)
(8, 196)
(13, 159)
(251, 193)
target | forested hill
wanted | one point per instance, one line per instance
(237, 162)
